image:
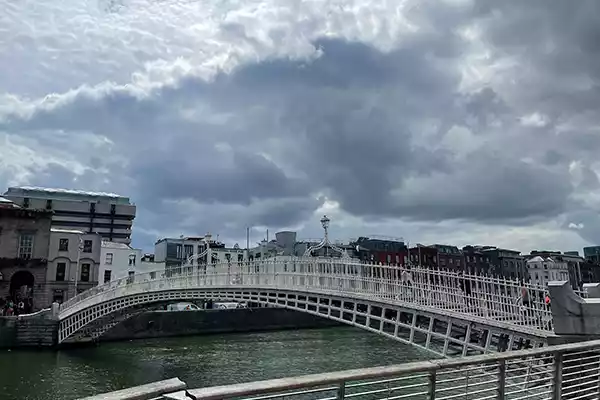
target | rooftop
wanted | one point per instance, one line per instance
(63, 191)
(114, 245)
(73, 231)
(7, 203)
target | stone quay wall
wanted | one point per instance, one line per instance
(33, 330)
(41, 329)
(156, 324)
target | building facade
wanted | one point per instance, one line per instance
(592, 254)
(476, 261)
(73, 263)
(543, 270)
(175, 251)
(119, 260)
(384, 251)
(506, 263)
(109, 215)
(423, 256)
(449, 257)
(576, 266)
(24, 239)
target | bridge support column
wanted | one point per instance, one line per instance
(575, 319)
(54, 310)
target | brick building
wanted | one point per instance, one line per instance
(424, 256)
(24, 240)
(385, 251)
(476, 261)
(449, 257)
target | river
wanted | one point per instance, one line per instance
(197, 360)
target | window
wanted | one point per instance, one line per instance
(85, 273)
(60, 271)
(240, 258)
(179, 252)
(107, 274)
(26, 245)
(87, 246)
(58, 296)
(63, 245)
(188, 250)
(132, 259)
(109, 259)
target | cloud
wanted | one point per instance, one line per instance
(417, 117)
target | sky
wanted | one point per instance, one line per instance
(437, 121)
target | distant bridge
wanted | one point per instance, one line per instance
(440, 311)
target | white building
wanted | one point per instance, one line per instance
(107, 214)
(73, 261)
(119, 260)
(543, 270)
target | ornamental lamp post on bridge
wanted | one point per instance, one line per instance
(326, 242)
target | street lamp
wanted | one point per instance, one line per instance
(79, 250)
(326, 242)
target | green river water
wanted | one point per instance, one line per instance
(197, 360)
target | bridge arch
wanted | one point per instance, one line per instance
(426, 311)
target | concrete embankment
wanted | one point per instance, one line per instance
(163, 324)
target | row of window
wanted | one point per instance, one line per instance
(26, 204)
(84, 275)
(108, 275)
(26, 241)
(63, 245)
(108, 260)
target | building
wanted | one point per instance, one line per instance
(449, 257)
(24, 240)
(543, 270)
(579, 270)
(506, 263)
(423, 256)
(119, 260)
(380, 250)
(476, 262)
(108, 214)
(174, 252)
(592, 254)
(73, 263)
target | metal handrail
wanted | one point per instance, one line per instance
(557, 357)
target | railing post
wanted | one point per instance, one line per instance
(557, 376)
(341, 392)
(501, 379)
(432, 380)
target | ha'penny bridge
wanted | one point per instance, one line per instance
(489, 337)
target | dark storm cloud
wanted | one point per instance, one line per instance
(261, 145)
(347, 123)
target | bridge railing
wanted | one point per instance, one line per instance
(482, 296)
(569, 371)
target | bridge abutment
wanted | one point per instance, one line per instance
(31, 330)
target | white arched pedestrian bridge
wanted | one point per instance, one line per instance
(441, 311)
